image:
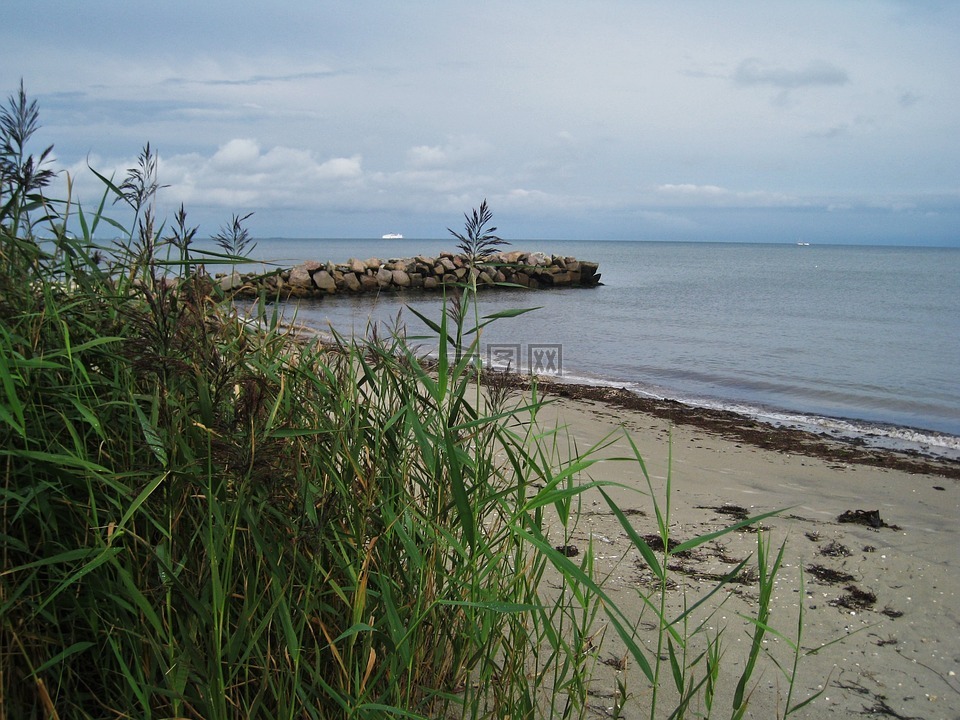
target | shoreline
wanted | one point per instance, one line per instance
(724, 423)
(743, 428)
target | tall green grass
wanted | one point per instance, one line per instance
(202, 515)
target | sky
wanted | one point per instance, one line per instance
(821, 121)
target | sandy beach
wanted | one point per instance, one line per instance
(887, 589)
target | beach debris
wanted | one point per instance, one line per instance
(855, 599)
(880, 707)
(617, 663)
(737, 512)
(656, 544)
(891, 613)
(869, 518)
(829, 575)
(568, 550)
(835, 549)
(747, 576)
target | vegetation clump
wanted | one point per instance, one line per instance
(201, 517)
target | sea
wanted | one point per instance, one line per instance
(856, 342)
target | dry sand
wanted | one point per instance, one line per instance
(889, 593)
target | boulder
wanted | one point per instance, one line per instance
(588, 273)
(384, 277)
(351, 282)
(230, 282)
(325, 281)
(300, 277)
(356, 266)
(401, 279)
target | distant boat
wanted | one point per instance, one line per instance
(804, 244)
(393, 236)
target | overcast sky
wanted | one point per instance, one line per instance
(834, 121)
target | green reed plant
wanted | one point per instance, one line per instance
(203, 515)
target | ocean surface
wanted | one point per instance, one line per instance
(850, 340)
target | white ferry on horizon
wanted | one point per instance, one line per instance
(393, 236)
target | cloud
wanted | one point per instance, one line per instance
(753, 71)
(457, 150)
(240, 174)
(237, 153)
(257, 79)
(693, 195)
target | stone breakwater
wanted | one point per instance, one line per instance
(315, 279)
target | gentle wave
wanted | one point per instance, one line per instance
(877, 435)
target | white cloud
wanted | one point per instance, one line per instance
(240, 174)
(457, 150)
(236, 154)
(427, 156)
(691, 190)
(753, 71)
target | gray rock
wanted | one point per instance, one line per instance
(351, 282)
(325, 281)
(300, 277)
(230, 282)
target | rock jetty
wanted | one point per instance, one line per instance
(315, 279)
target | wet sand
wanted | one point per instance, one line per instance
(886, 585)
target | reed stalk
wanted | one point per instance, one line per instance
(203, 516)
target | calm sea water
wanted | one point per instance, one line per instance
(850, 340)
